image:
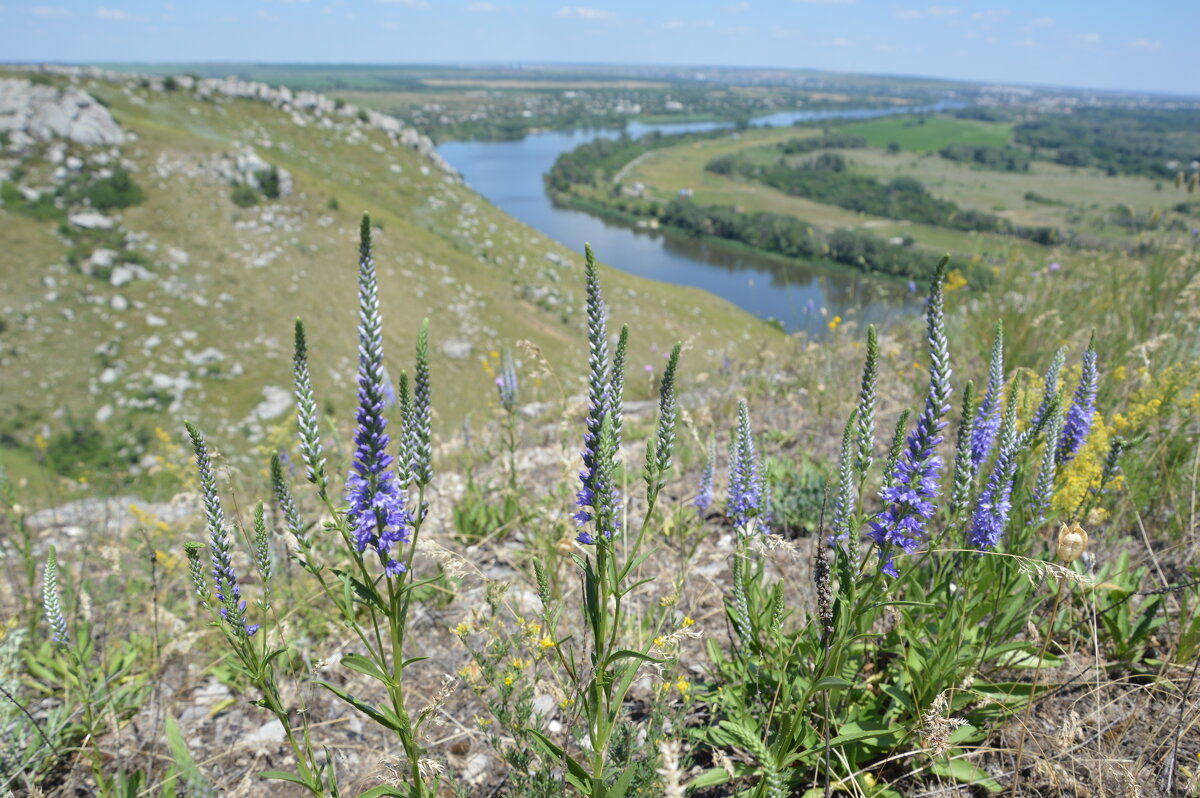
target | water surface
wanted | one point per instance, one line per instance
(509, 175)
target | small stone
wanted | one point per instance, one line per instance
(119, 303)
(91, 221)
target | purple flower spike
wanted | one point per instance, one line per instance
(987, 422)
(913, 485)
(373, 491)
(1083, 407)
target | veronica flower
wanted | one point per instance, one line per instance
(598, 388)
(50, 602)
(1083, 407)
(262, 553)
(1050, 397)
(373, 492)
(705, 496)
(1045, 481)
(286, 502)
(866, 405)
(604, 494)
(964, 470)
(404, 453)
(420, 429)
(995, 500)
(306, 413)
(229, 594)
(844, 501)
(914, 484)
(196, 571)
(987, 422)
(506, 381)
(616, 384)
(744, 499)
(667, 413)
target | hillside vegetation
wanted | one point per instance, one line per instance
(181, 299)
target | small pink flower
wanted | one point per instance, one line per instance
(649, 368)
(1055, 266)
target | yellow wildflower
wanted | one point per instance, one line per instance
(955, 280)
(835, 322)
(546, 642)
(660, 641)
(508, 680)
(682, 685)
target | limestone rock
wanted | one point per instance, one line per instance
(45, 113)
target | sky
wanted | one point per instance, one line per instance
(1103, 44)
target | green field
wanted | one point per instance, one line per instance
(929, 133)
(1086, 197)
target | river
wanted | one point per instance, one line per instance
(800, 296)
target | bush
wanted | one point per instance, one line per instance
(117, 191)
(268, 182)
(244, 196)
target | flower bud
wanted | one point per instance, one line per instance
(1072, 541)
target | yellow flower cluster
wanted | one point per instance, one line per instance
(1082, 474)
(955, 280)
(1158, 394)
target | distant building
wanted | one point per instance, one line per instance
(685, 193)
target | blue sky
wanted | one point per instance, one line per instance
(1111, 44)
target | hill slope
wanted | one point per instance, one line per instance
(119, 319)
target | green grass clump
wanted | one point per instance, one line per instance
(244, 195)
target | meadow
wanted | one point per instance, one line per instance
(634, 543)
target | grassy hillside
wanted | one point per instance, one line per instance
(208, 336)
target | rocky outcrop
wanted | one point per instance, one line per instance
(33, 113)
(303, 106)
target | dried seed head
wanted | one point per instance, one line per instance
(1072, 542)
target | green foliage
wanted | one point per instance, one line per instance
(268, 182)
(1002, 159)
(1141, 141)
(114, 192)
(244, 195)
(43, 208)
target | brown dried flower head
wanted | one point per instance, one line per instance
(1072, 542)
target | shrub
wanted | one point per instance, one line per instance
(268, 182)
(117, 191)
(244, 196)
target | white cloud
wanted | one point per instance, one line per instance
(1025, 44)
(990, 15)
(583, 12)
(117, 15)
(739, 30)
(738, 8)
(674, 24)
(481, 8)
(1089, 38)
(932, 11)
(1038, 22)
(51, 11)
(409, 3)
(841, 42)
(1145, 44)
(828, 2)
